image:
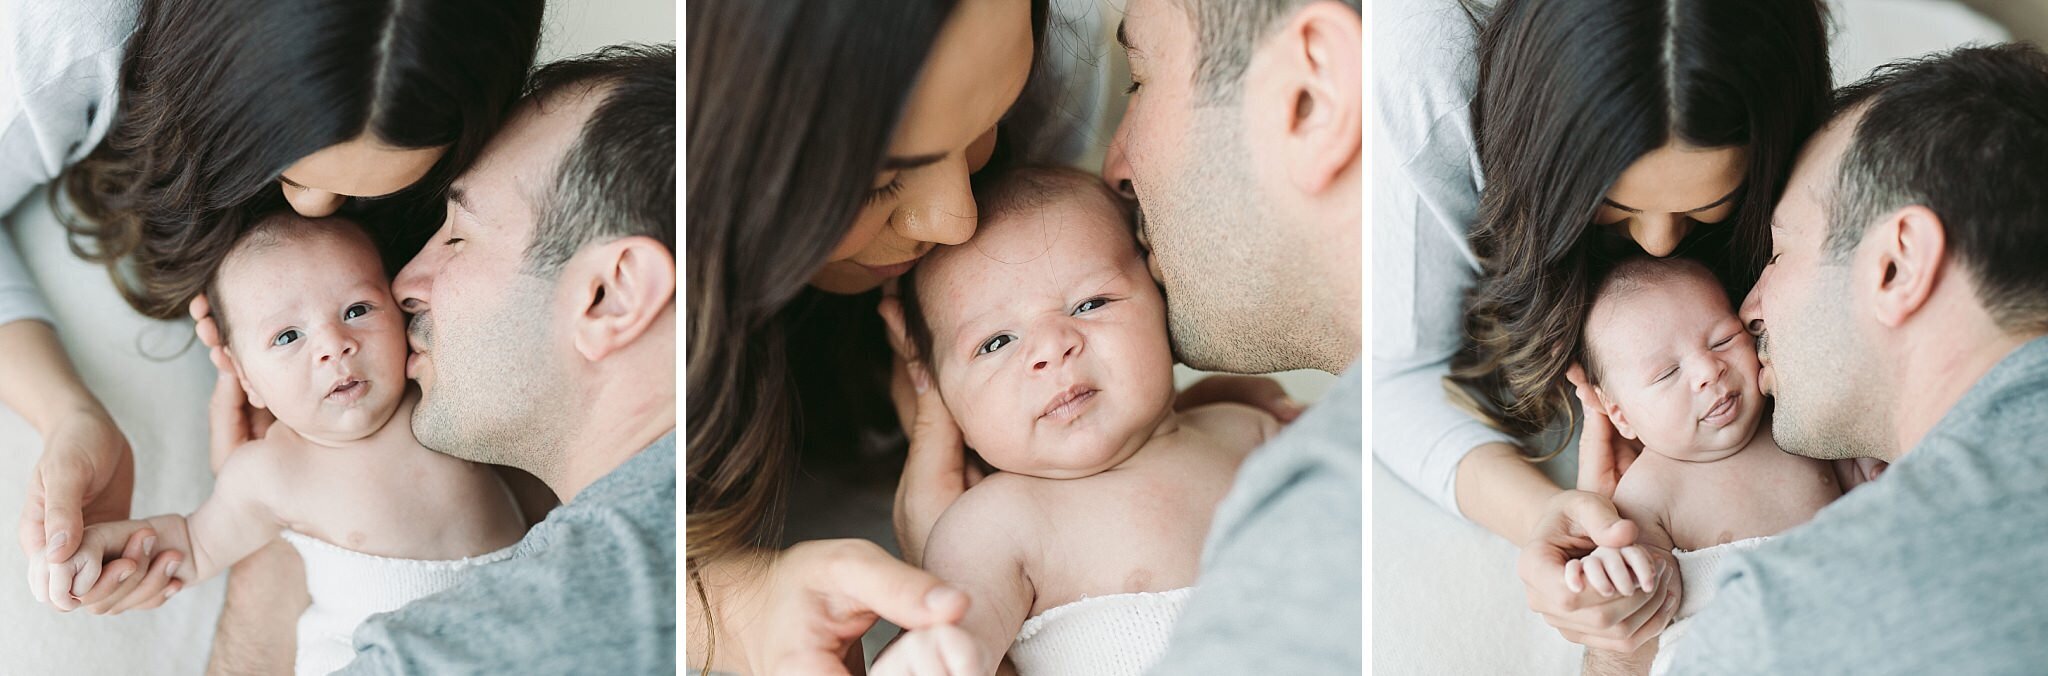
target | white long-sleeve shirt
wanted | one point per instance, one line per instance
(60, 69)
(1425, 185)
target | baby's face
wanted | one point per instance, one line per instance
(1049, 340)
(314, 333)
(1677, 366)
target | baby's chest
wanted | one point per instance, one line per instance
(1121, 542)
(1718, 505)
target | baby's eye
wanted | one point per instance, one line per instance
(1666, 375)
(1090, 304)
(285, 337)
(1722, 342)
(994, 344)
(354, 311)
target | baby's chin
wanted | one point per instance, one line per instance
(1072, 459)
(354, 422)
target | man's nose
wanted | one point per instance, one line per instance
(410, 287)
(1752, 311)
(1116, 166)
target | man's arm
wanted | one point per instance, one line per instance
(1607, 663)
(266, 594)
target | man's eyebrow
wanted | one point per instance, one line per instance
(910, 162)
(460, 197)
(1724, 200)
(1121, 38)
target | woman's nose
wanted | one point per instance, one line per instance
(941, 213)
(313, 203)
(1659, 234)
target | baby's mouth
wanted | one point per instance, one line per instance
(1723, 411)
(1068, 404)
(348, 390)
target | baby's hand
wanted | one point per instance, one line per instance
(941, 650)
(107, 556)
(1611, 571)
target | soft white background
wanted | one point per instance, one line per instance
(160, 405)
(1445, 598)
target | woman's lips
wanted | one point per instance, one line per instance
(1723, 412)
(889, 271)
(1069, 404)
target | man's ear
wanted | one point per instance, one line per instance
(1909, 253)
(243, 378)
(1313, 70)
(626, 285)
(1614, 413)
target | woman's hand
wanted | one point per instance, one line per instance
(1604, 455)
(1574, 524)
(86, 475)
(937, 471)
(807, 607)
(1260, 392)
(231, 421)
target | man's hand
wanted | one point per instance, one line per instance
(936, 471)
(85, 475)
(1573, 525)
(815, 599)
(1260, 392)
(1604, 455)
(944, 650)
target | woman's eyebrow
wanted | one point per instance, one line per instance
(1724, 200)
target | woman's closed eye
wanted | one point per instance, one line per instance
(285, 337)
(891, 189)
(996, 342)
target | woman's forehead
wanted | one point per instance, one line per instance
(1678, 178)
(974, 72)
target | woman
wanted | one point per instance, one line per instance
(1597, 128)
(172, 124)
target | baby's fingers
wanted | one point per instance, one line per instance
(115, 580)
(71, 578)
(1575, 576)
(1639, 563)
(1596, 575)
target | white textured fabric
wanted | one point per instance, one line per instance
(1099, 635)
(348, 587)
(1696, 569)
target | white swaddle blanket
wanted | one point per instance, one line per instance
(348, 587)
(1108, 635)
(1697, 571)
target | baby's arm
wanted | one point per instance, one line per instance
(977, 547)
(1640, 500)
(233, 522)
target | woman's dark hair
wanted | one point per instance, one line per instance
(791, 108)
(1569, 95)
(219, 97)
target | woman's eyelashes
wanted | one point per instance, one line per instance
(891, 189)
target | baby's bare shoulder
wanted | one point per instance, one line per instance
(1236, 427)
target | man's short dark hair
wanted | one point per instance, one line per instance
(1964, 134)
(619, 178)
(1226, 34)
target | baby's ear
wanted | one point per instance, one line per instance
(1614, 413)
(243, 380)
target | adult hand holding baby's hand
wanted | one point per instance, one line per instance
(943, 650)
(1574, 524)
(936, 472)
(231, 421)
(1604, 454)
(1260, 392)
(85, 475)
(89, 579)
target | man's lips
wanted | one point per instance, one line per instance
(1069, 403)
(1723, 411)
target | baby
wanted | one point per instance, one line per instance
(1674, 369)
(306, 311)
(1047, 340)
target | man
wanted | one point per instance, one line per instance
(544, 332)
(1242, 145)
(1902, 318)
